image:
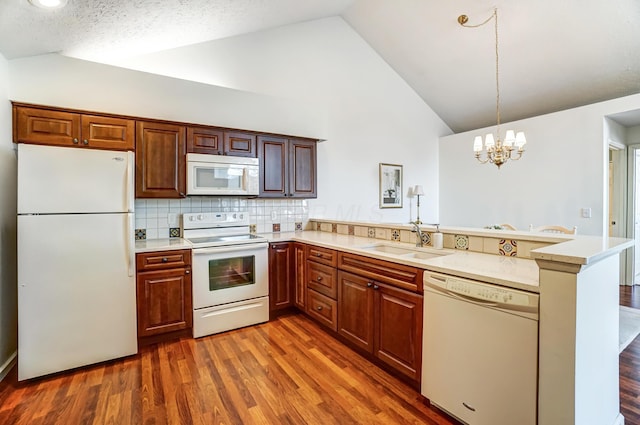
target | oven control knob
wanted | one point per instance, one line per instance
(200, 217)
(235, 216)
(191, 218)
(241, 216)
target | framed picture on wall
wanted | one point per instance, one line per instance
(390, 186)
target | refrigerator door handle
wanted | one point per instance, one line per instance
(130, 244)
(130, 189)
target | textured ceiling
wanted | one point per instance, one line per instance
(553, 55)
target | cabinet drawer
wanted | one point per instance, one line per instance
(322, 255)
(398, 275)
(160, 260)
(323, 309)
(322, 279)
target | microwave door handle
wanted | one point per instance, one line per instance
(232, 248)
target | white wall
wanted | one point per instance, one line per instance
(8, 280)
(563, 170)
(372, 115)
(66, 82)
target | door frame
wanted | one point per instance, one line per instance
(632, 198)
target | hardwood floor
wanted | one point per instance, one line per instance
(630, 365)
(288, 371)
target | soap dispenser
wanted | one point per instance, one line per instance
(436, 238)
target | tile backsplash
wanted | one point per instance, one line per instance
(160, 218)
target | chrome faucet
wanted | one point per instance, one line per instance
(418, 233)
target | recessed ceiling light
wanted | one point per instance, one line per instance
(49, 4)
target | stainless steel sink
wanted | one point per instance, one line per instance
(406, 252)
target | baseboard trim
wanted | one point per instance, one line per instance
(8, 365)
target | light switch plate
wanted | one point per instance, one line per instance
(586, 213)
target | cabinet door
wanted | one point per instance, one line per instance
(164, 301)
(240, 144)
(108, 133)
(160, 160)
(302, 168)
(398, 329)
(300, 290)
(43, 126)
(272, 152)
(355, 310)
(280, 275)
(205, 140)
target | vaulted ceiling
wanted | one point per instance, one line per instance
(553, 55)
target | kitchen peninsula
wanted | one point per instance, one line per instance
(577, 279)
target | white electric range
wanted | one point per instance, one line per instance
(230, 272)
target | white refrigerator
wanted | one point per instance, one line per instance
(76, 269)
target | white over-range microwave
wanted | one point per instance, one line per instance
(222, 175)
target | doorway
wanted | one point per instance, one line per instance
(633, 216)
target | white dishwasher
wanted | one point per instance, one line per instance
(480, 350)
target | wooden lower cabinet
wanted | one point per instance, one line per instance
(382, 320)
(356, 310)
(300, 279)
(163, 290)
(280, 275)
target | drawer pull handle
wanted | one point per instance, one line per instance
(468, 407)
(165, 259)
(319, 278)
(319, 307)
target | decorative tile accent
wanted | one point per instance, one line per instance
(174, 232)
(371, 232)
(395, 235)
(462, 242)
(141, 234)
(351, 230)
(318, 226)
(426, 238)
(508, 247)
(298, 226)
(334, 228)
(276, 227)
(253, 228)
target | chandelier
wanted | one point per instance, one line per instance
(496, 151)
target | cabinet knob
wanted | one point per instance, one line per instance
(318, 254)
(369, 284)
(75, 141)
(182, 194)
(319, 307)
(376, 287)
(85, 142)
(319, 278)
(187, 272)
(165, 259)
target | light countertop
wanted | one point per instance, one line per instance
(167, 244)
(518, 273)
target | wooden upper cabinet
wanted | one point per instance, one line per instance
(216, 141)
(205, 140)
(273, 155)
(62, 128)
(160, 160)
(240, 144)
(287, 167)
(302, 168)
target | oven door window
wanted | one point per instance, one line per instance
(231, 272)
(227, 177)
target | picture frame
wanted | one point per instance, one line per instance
(390, 189)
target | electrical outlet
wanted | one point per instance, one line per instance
(586, 213)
